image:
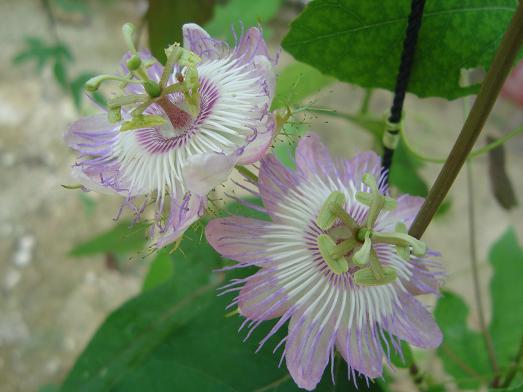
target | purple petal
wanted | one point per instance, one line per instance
(406, 210)
(197, 40)
(362, 350)
(182, 215)
(308, 349)
(413, 323)
(238, 238)
(257, 148)
(312, 156)
(365, 162)
(262, 298)
(250, 45)
(274, 182)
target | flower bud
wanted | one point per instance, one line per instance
(134, 62)
(152, 88)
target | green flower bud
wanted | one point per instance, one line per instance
(134, 62)
(152, 88)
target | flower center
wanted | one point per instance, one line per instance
(179, 118)
(348, 245)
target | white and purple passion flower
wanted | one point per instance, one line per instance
(335, 261)
(176, 131)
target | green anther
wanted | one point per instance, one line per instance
(361, 256)
(340, 233)
(114, 114)
(134, 62)
(344, 247)
(418, 247)
(343, 215)
(327, 246)
(402, 251)
(152, 88)
(326, 216)
(141, 121)
(365, 277)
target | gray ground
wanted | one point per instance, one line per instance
(50, 303)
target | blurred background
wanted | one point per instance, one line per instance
(65, 264)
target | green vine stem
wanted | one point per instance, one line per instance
(514, 367)
(474, 154)
(490, 88)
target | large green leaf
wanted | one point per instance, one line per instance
(160, 271)
(248, 12)
(462, 351)
(176, 337)
(121, 238)
(506, 327)
(361, 41)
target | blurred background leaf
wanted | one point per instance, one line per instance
(506, 327)
(250, 13)
(329, 36)
(462, 351)
(166, 17)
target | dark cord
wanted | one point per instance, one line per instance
(402, 80)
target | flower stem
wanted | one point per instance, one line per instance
(490, 88)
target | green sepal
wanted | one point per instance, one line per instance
(326, 216)
(141, 121)
(365, 276)
(327, 246)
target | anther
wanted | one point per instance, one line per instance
(327, 246)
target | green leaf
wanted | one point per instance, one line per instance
(160, 271)
(122, 238)
(175, 337)
(248, 12)
(518, 388)
(506, 327)
(462, 351)
(404, 174)
(60, 74)
(296, 82)
(166, 17)
(361, 41)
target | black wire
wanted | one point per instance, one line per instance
(402, 80)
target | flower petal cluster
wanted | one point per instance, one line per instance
(179, 154)
(332, 300)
